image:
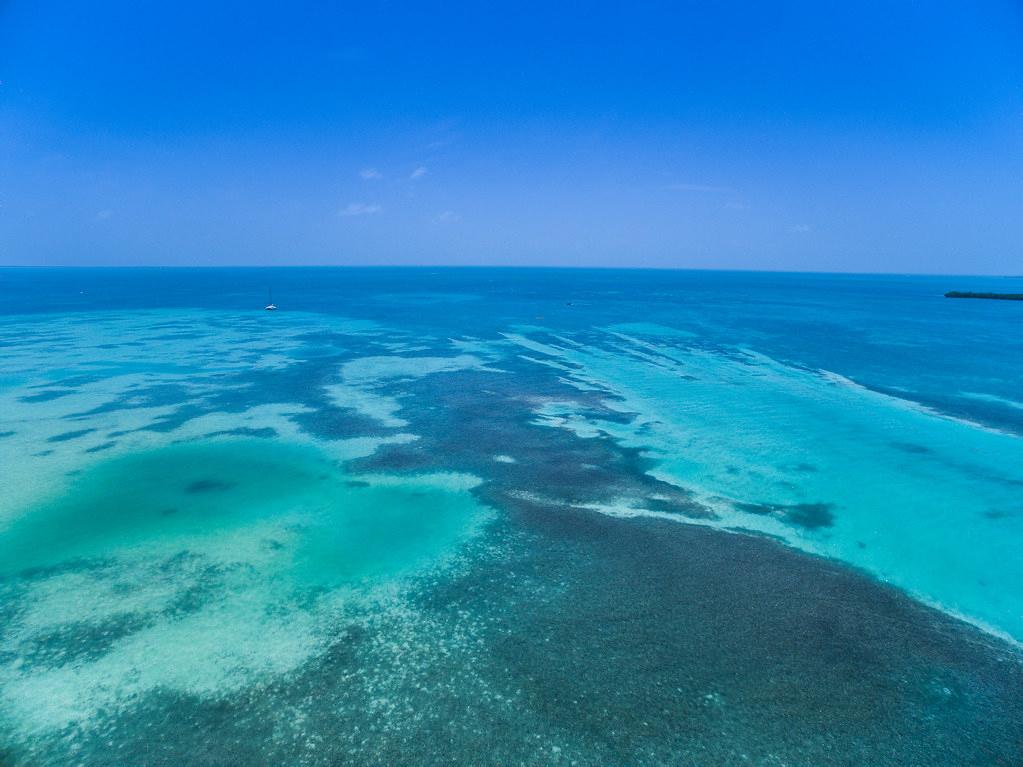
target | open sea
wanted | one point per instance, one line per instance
(509, 517)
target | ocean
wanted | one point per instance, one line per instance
(509, 516)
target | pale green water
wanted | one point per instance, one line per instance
(189, 494)
(204, 566)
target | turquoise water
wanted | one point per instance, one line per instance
(929, 503)
(542, 516)
(194, 494)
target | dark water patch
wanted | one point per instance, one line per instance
(356, 483)
(69, 435)
(178, 418)
(82, 379)
(976, 469)
(209, 485)
(647, 428)
(72, 382)
(100, 448)
(400, 458)
(912, 447)
(137, 397)
(678, 502)
(1000, 514)
(985, 473)
(301, 383)
(77, 642)
(992, 413)
(7, 434)
(650, 355)
(474, 415)
(149, 396)
(46, 396)
(266, 432)
(207, 587)
(811, 516)
(805, 468)
(43, 453)
(604, 413)
(331, 422)
(682, 646)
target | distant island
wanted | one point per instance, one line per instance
(1000, 296)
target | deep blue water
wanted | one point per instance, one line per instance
(886, 331)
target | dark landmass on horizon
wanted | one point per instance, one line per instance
(997, 296)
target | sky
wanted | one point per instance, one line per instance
(786, 135)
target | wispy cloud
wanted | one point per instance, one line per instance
(698, 188)
(448, 217)
(359, 209)
(800, 228)
(369, 174)
(104, 214)
(418, 173)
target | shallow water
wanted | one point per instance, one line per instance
(512, 516)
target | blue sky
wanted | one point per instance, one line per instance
(838, 136)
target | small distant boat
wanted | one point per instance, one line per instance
(271, 306)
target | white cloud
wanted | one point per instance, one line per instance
(448, 217)
(104, 214)
(369, 174)
(359, 209)
(800, 228)
(418, 173)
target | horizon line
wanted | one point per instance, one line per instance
(524, 267)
